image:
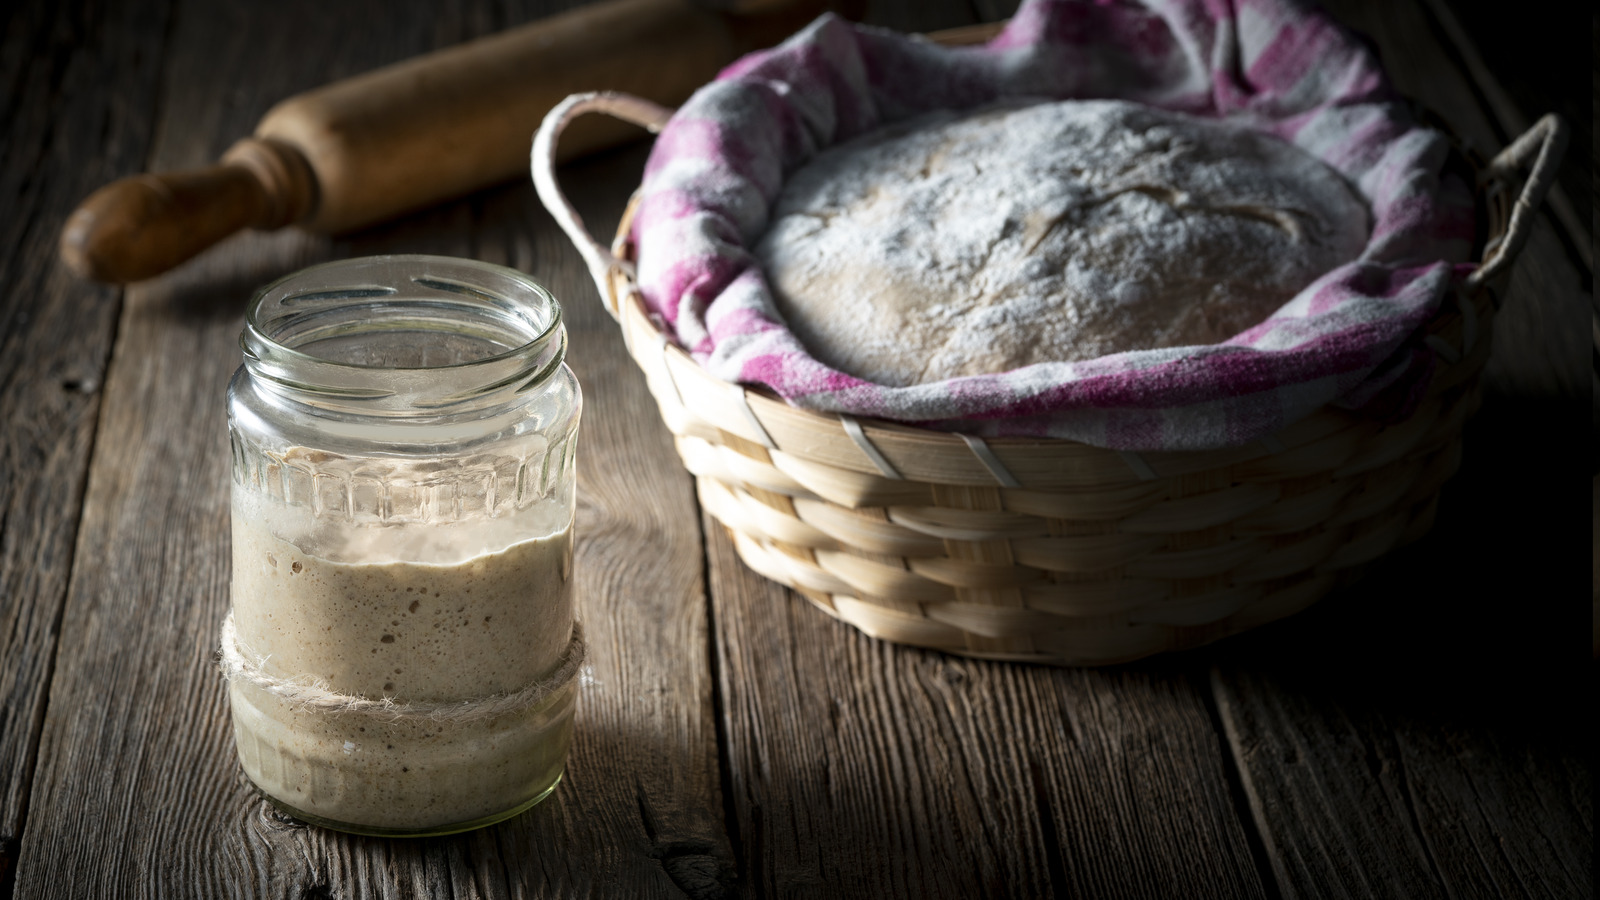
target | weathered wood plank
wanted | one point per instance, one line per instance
(931, 776)
(1414, 735)
(77, 83)
(1410, 736)
(136, 768)
(865, 769)
(1376, 805)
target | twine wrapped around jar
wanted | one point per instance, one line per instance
(402, 648)
(240, 663)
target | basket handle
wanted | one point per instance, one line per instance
(602, 263)
(1546, 143)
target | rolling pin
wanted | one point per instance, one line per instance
(418, 132)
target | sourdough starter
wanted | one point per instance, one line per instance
(477, 623)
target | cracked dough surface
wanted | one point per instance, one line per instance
(973, 243)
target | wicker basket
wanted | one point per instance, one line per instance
(1050, 550)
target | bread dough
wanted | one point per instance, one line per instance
(965, 244)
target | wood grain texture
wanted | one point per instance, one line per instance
(865, 769)
(1412, 734)
(137, 753)
(1407, 736)
(77, 86)
(1420, 733)
(1368, 804)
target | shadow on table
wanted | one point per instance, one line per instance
(629, 818)
(1483, 621)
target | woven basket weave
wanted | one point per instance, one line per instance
(1055, 551)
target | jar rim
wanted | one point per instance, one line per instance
(254, 326)
(499, 332)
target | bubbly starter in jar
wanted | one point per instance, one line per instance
(402, 654)
(478, 619)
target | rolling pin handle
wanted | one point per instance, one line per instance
(139, 227)
(289, 188)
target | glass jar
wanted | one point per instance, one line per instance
(401, 650)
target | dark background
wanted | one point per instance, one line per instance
(1543, 55)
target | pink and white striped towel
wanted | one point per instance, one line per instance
(1277, 65)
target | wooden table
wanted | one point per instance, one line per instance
(1422, 734)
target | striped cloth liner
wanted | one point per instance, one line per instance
(1350, 338)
